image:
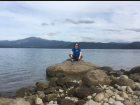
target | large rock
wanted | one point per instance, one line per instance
(42, 84)
(67, 102)
(82, 92)
(67, 67)
(124, 81)
(22, 92)
(95, 77)
(135, 70)
(31, 99)
(8, 101)
(135, 77)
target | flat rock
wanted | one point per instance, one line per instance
(67, 67)
(117, 103)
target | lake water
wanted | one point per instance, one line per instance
(22, 67)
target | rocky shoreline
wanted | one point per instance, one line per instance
(81, 83)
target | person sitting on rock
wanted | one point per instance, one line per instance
(76, 53)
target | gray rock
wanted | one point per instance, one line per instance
(89, 97)
(99, 97)
(128, 102)
(105, 100)
(124, 95)
(137, 86)
(110, 101)
(117, 103)
(118, 98)
(106, 104)
(109, 92)
(122, 88)
(129, 90)
(95, 77)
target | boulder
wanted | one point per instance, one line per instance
(17, 101)
(135, 77)
(124, 81)
(135, 70)
(95, 77)
(53, 82)
(22, 92)
(82, 92)
(42, 84)
(67, 68)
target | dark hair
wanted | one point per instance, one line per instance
(75, 44)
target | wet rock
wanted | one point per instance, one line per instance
(99, 97)
(135, 77)
(82, 92)
(60, 82)
(42, 84)
(17, 101)
(53, 82)
(49, 90)
(21, 92)
(39, 89)
(41, 94)
(135, 70)
(67, 102)
(51, 97)
(69, 68)
(95, 77)
(31, 99)
(106, 68)
(80, 102)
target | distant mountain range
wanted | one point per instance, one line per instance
(34, 42)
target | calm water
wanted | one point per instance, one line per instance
(21, 67)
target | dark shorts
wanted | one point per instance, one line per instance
(75, 57)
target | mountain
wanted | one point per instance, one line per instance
(134, 45)
(33, 42)
(92, 45)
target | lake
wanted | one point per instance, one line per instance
(22, 67)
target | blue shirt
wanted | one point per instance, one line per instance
(77, 51)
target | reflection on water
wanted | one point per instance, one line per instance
(21, 67)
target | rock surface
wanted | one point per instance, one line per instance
(67, 67)
(95, 77)
(8, 101)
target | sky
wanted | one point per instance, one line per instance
(73, 21)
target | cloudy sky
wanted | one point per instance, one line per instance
(88, 21)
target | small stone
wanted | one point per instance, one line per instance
(113, 97)
(105, 100)
(117, 103)
(93, 95)
(124, 95)
(118, 98)
(51, 102)
(109, 92)
(38, 101)
(101, 102)
(134, 96)
(60, 90)
(55, 102)
(67, 97)
(91, 102)
(128, 102)
(106, 104)
(99, 97)
(111, 101)
(129, 90)
(122, 88)
(117, 86)
(89, 97)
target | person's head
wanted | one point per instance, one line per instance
(76, 45)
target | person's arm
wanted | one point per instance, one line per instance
(80, 55)
(71, 53)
